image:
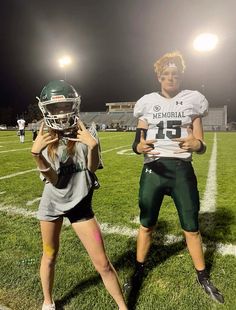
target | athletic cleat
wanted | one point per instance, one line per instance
(49, 307)
(135, 281)
(211, 290)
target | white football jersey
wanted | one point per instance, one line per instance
(21, 124)
(168, 118)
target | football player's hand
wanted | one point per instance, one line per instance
(146, 146)
(84, 136)
(43, 140)
(189, 143)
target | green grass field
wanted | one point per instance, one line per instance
(170, 281)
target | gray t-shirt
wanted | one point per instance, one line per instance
(73, 185)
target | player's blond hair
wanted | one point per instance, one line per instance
(170, 58)
(52, 147)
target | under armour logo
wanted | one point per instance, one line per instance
(179, 102)
(148, 170)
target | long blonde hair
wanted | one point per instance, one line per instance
(52, 147)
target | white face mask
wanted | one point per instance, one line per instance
(60, 115)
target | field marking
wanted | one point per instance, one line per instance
(15, 150)
(128, 152)
(28, 148)
(27, 171)
(223, 249)
(208, 203)
(116, 148)
(109, 137)
(9, 141)
(17, 173)
(17, 211)
(31, 202)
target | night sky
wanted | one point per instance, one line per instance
(113, 45)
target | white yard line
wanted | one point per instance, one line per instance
(16, 174)
(9, 141)
(223, 249)
(27, 171)
(129, 152)
(17, 211)
(31, 202)
(208, 203)
(110, 137)
(15, 150)
(116, 148)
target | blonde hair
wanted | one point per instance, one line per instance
(172, 57)
(52, 147)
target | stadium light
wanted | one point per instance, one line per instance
(63, 63)
(205, 42)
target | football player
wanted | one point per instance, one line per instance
(67, 154)
(169, 130)
(21, 127)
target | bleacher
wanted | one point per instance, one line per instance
(124, 120)
(216, 120)
(121, 118)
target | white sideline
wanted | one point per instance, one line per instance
(208, 203)
(223, 249)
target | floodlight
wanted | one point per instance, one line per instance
(205, 42)
(64, 61)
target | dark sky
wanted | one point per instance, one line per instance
(113, 44)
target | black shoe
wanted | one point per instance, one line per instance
(135, 281)
(211, 290)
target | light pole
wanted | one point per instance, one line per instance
(63, 63)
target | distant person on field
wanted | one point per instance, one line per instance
(34, 129)
(21, 127)
(67, 155)
(169, 130)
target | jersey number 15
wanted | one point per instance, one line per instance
(172, 129)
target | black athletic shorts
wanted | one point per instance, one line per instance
(82, 211)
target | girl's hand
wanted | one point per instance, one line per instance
(42, 140)
(84, 136)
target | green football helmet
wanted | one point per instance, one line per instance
(59, 102)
